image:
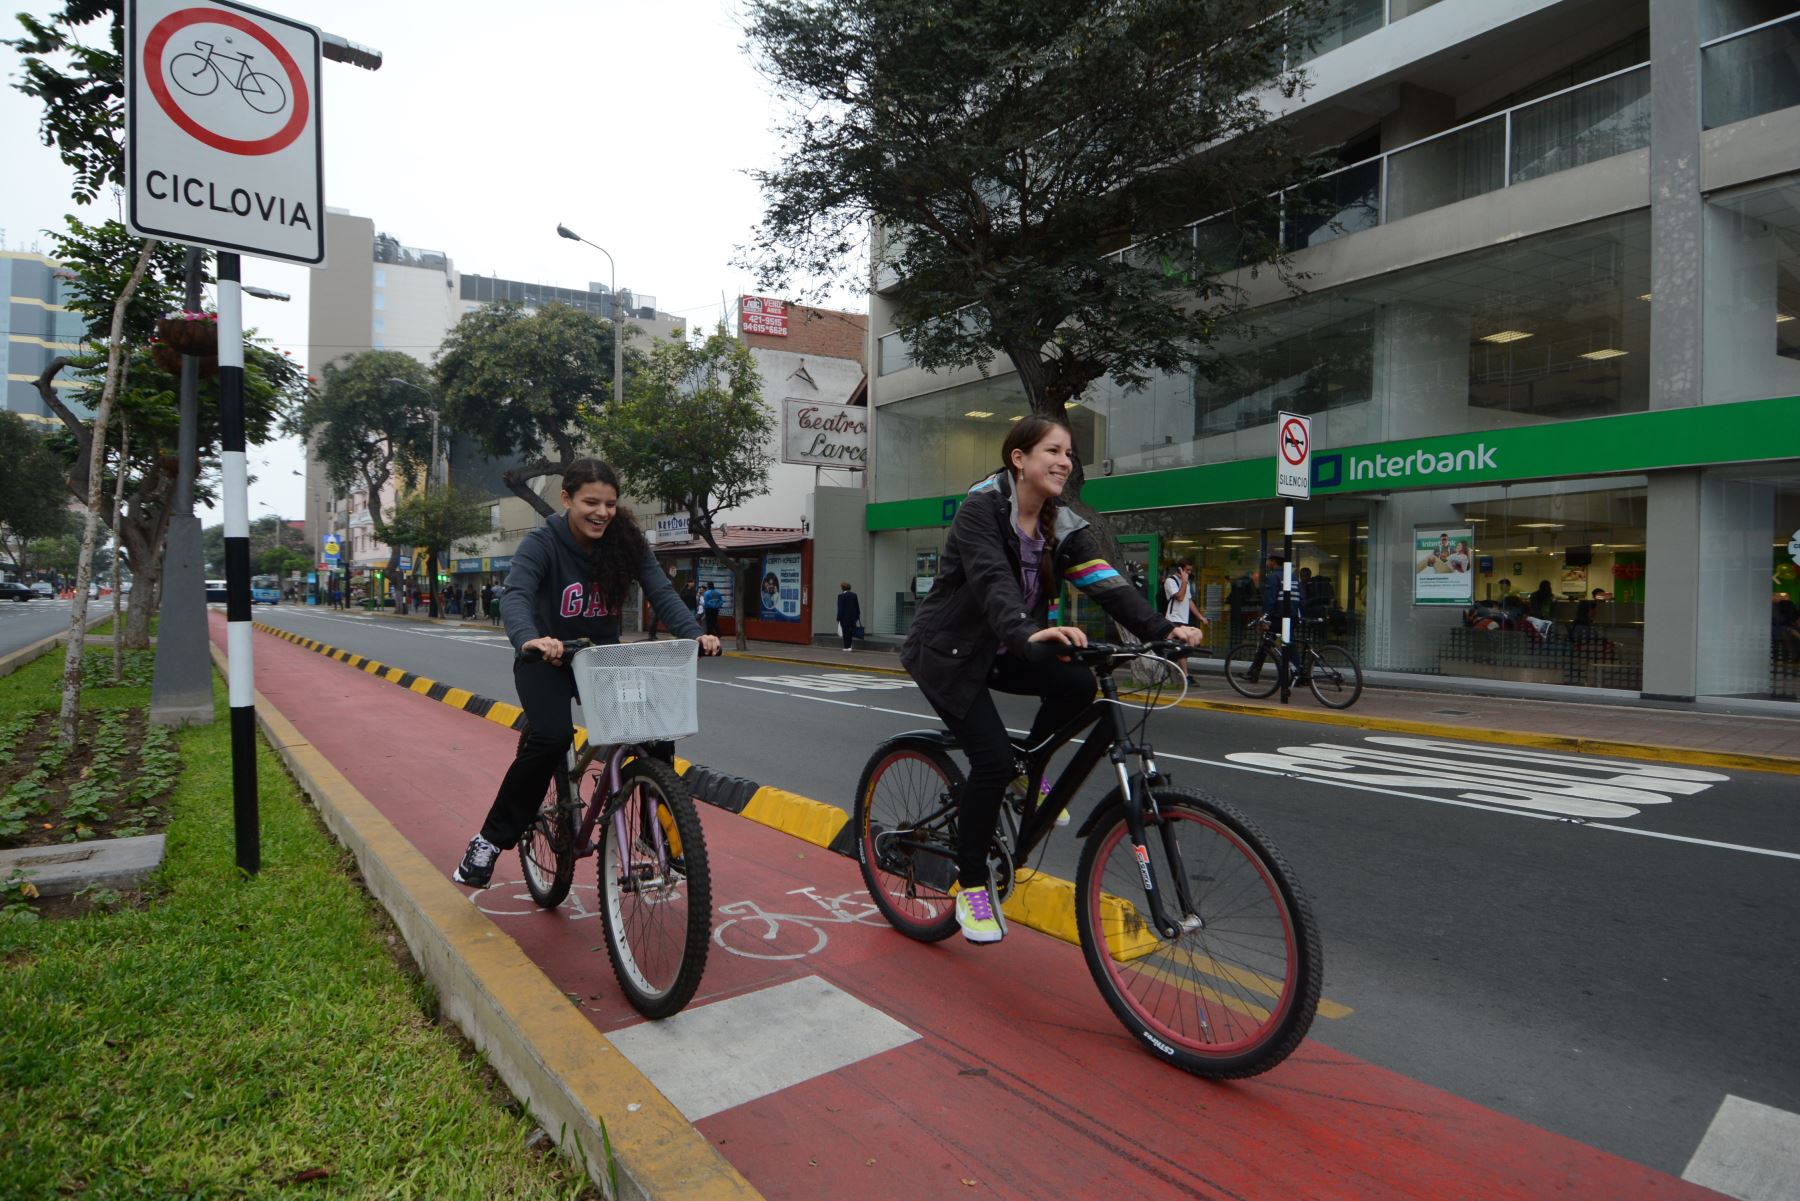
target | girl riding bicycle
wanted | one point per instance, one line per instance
(570, 578)
(984, 625)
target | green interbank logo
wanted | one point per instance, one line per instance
(1629, 443)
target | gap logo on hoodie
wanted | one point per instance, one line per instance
(576, 602)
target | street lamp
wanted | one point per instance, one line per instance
(618, 314)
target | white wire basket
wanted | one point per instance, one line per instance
(638, 691)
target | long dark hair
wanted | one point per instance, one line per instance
(1024, 435)
(620, 551)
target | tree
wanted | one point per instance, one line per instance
(440, 520)
(1000, 151)
(33, 503)
(518, 382)
(693, 432)
(372, 416)
(73, 62)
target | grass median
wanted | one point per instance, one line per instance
(223, 1036)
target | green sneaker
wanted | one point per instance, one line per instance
(1062, 819)
(978, 916)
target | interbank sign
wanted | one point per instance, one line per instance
(1630, 443)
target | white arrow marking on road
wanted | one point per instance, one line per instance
(1590, 789)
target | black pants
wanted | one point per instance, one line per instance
(848, 630)
(1065, 688)
(544, 693)
(712, 622)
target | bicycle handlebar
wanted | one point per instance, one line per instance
(1095, 654)
(573, 645)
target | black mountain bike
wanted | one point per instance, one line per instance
(622, 803)
(1189, 919)
(1329, 670)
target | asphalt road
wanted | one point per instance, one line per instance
(25, 622)
(1602, 948)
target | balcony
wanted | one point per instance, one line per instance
(1750, 72)
(1344, 21)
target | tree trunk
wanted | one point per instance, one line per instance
(84, 568)
(518, 482)
(431, 569)
(119, 549)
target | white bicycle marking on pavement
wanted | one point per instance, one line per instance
(751, 923)
(510, 898)
(1543, 781)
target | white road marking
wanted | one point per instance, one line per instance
(1751, 1152)
(837, 681)
(708, 1059)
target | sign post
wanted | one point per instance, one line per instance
(1293, 479)
(223, 150)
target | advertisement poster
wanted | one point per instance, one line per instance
(719, 576)
(1443, 563)
(780, 600)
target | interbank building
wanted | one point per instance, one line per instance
(1550, 313)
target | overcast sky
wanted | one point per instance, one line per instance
(632, 121)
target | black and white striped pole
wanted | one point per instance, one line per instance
(240, 670)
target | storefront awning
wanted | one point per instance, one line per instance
(735, 538)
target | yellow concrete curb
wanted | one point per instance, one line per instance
(578, 1086)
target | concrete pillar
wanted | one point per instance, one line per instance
(1421, 112)
(840, 552)
(1401, 636)
(1421, 370)
(1672, 609)
(1737, 532)
(1675, 206)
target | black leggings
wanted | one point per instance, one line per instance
(1066, 688)
(544, 693)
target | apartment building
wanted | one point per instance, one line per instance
(378, 293)
(1548, 315)
(35, 327)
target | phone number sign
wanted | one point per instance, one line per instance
(222, 143)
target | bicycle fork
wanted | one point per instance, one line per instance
(652, 833)
(1138, 801)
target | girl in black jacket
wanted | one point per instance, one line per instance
(984, 625)
(570, 578)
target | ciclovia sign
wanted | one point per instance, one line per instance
(821, 435)
(222, 129)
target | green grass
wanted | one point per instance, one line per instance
(232, 1034)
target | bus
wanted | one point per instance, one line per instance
(265, 590)
(215, 591)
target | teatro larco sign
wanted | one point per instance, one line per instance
(822, 435)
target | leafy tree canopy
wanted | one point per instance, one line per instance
(73, 63)
(1000, 151)
(692, 431)
(440, 520)
(33, 498)
(372, 415)
(519, 383)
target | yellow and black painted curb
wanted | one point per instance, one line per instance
(1572, 743)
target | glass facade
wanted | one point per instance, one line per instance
(1750, 74)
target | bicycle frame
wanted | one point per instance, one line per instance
(586, 843)
(1109, 741)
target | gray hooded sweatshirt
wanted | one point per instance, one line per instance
(549, 591)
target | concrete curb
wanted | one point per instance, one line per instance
(1618, 748)
(579, 1087)
(43, 646)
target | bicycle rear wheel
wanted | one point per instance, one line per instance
(1238, 662)
(905, 823)
(1334, 676)
(656, 906)
(547, 848)
(1235, 992)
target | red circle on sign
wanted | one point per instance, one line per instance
(1294, 433)
(174, 23)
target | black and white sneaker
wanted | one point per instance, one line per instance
(477, 866)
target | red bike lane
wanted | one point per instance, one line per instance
(826, 1055)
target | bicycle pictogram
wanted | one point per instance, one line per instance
(752, 924)
(199, 74)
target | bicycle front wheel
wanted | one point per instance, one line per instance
(1235, 992)
(263, 93)
(1334, 676)
(655, 890)
(547, 848)
(1238, 662)
(905, 823)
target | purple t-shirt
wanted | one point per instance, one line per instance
(1031, 553)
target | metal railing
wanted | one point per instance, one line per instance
(1751, 72)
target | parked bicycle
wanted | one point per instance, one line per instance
(1253, 667)
(614, 798)
(200, 75)
(1189, 920)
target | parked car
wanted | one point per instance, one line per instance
(13, 590)
(43, 588)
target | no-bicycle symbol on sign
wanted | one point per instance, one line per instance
(222, 128)
(1293, 456)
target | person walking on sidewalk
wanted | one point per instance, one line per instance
(570, 578)
(1178, 597)
(984, 625)
(849, 615)
(711, 602)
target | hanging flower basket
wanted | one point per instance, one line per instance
(190, 333)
